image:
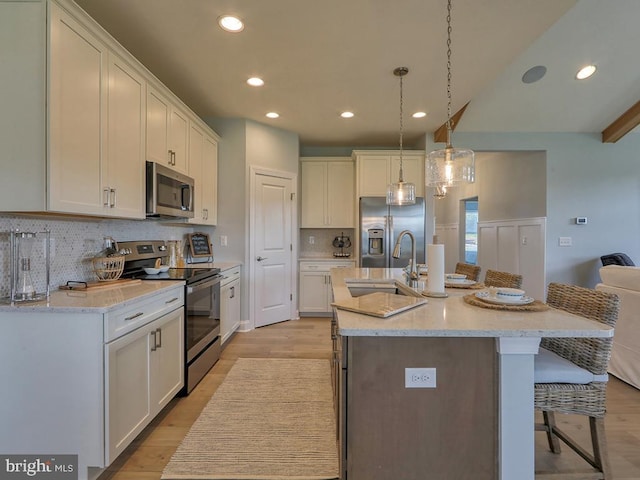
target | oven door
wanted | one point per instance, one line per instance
(203, 315)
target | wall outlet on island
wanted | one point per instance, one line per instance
(420, 378)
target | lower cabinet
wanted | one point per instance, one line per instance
(144, 371)
(230, 302)
(315, 293)
(87, 381)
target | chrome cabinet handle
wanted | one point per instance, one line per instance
(139, 314)
(261, 259)
(159, 337)
(105, 197)
(233, 292)
(172, 300)
(112, 197)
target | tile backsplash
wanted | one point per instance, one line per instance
(74, 242)
(322, 238)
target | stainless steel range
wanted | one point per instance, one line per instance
(202, 304)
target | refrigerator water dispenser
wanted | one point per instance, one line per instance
(376, 241)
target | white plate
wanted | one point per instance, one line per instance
(499, 301)
(464, 281)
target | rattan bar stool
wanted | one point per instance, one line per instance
(578, 397)
(471, 271)
(494, 278)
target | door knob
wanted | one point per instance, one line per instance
(260, 259)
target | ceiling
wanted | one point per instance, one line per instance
(319, 58)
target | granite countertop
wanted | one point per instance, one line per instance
(98, 301)
(324, 258)
(221, 265)
(452, 317)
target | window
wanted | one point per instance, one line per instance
(471, 230)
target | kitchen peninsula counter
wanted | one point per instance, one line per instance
(476, 420)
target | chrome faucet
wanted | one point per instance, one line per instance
(412, 267)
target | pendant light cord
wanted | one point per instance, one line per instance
(448, 74)
(401, 103)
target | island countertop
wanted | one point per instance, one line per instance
(452, 317)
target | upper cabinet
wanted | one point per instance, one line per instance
(327, 193)
(203, 167)
(96, 125)
(167, 132)
(80, 117)
(377, 169)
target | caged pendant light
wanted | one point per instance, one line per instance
(449, 166)
(401, 193)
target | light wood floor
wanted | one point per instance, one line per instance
(147, 456)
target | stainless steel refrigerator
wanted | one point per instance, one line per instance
(380, 225)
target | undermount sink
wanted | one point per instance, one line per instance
(359, 286)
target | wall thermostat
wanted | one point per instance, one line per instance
(581, 220)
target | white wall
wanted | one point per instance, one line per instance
(584, 177)
(243, 144)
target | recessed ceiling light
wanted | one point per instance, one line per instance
(272, 115)
(346, 114)
(586, 72)
(419, 115)
(255, 82)
(230, 23)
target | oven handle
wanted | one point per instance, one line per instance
(194, 287)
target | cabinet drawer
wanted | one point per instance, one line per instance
(230, 275)
(325, 266)
(127, 319)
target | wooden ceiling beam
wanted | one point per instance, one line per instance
(622, 125)
(440, 135)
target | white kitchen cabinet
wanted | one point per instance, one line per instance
(85, 377)
(203, 167)
(87, 152)
(377, 169)
(315, 293)
(230, 301)
(167, 132)
(77, 116)
(144, 371)
(85, 107)
(123, 172)
(327, 193)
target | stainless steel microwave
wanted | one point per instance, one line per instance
(169, 193)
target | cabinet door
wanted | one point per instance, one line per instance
(196, 145)
(167, 359)
(313, 195)
(313, 292)
(157, 128)
(412, 171)
(210, 180)
(128, 404)
(123, 173)
(178, 134)
(340, 195)
(373, 175)
(77, 102)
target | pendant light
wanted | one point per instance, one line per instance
(449, 166)
(401, 193)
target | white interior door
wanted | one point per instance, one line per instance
(272, 249)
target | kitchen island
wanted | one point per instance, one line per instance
(478, 420)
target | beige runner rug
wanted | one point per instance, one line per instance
(271, 419)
